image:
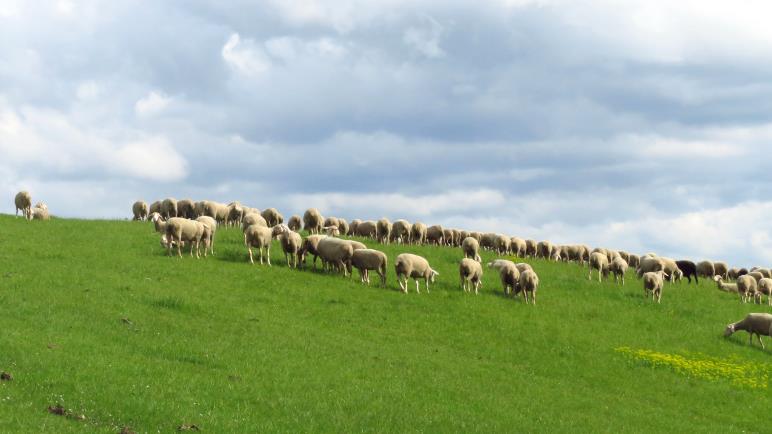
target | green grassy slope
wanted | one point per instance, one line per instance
(233, 347)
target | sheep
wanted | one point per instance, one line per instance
(517, 245)
(261, 237)
(294, 223)
(408, 265)
(756, 275)
(370, 259)
(688, 269)
(649, 264)
(488, 241)
(179, 229)
(726, 287)
(510, 278)
(598, 261)
(759, 324)
(40, 211)
(169, 208)
(186, 209)
(235, 214)
(619, 267)
(721, 268)
(456, 238)
(330, 221)
(448, 236)
(577, 253)
(272, 216)
(291, 243)
(158, 222)
(470, 273)
(634, 261)
(367, 229)
(733, 273)
(529, 283)
(706, 269)
(654, 281)
(746, 287)
(624, 255)
(435, 235)
(140, 210)
(336, 253)
(342, 226)
(557, 253)
(310, 245)
(400, 231)
(312, 221)
(530, 248)
(502, 244)
(252, 219)
(471, 249)
(418, 233)
(764, 271)
(155, 207)
(211, 225)
(499, 264)
(331, 231)
(671, 269)
(383, 230)
(765, 287)
(522, 266)
(352, 228)
(476, 235)
(23, 202)
(221, 213)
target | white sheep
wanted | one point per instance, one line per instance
(211, 225)
(332, 231)
(470, 273)
(186, 209)
(759, 324)
(179, 230)
(272, 216)
(140, 210)
(529, 283)
(619, 267)
(518, 247)
(408, 265)
(313, 221)
(435, 235)
(746, 287)
(343, 226)
(418, 233)
(40, 211)
(498, 264)
(309, 246)
(261, 237)
(352, 228)
(471, 249)
(169, 208)
(400, 231)
(365, 260)
(598, 261)
(367, 229)
(510, 278)
(726, 287)
(502, 244)
(653, 281)
(765, 287)
(383, 230)
(155, 207)
(336, 253)
(291, 243)
(23, 203)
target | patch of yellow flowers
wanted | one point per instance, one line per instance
(739, 373)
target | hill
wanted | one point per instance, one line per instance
(95, 318)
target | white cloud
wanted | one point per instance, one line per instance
(425, 40)
(153, 103)
(247, 57)
(88, 90)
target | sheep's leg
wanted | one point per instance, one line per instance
(417, 289)
(251, 258)
(427, 284)
(179, 246)
(533, 297)
(758, 336)
(268, 254)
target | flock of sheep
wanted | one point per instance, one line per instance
(193, 224)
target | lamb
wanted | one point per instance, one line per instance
(408, 265)
(471, 249)
(400, 231)
(418, 233)
(336, 252)
(294, 223)
(370, 259)
(726, 287)
(721, 268)
(169, 208)
(518, 247)
(688, 269)
(746, 287)
(510, 278)
(502, 244)
(211, 225)
(765, 287)
(186, 209)
(310, 245)
(759, 324)
(179, 230)
(261, 237)
(140, 210)
(291, 243)
(383, 230)
(706, 269)
(654, 281)
(312, 221)
(598, 261)
(272, 216)
(23, 202)
(470, 273)
(619, 267)
(530, 248)
(529, 283)
(435, 235)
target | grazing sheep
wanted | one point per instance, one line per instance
(383, 230)
(654, 281)
(476, 235)
(756, 275)
(365, 260)
(765, 287)
(435, 235)
(470, 273)
(169, 208)
(689, 269)
(155, 207)
(726, 287)
(471, 249)
(746, 287)
(221, 213)
(763, 271)
(529, 283)
(294, 223)
(400, 231)
(518, 247)
(624, 255)
(721, 268)
(352, 228)
(252, 218)
(502, 244)
(291, 243)
(23, 202)
(598, 261)
(734, 273)
(235, 214)
(448, 236)
(179, 230)
(619, 267)
(272, 216)
(368, 229)
(336, 253)
(140, 210)
(488, 241)
(498, 264)
(522, 266)
(261, 237)
(408, 265)
(186, 209)
(330, 221)
(577, 253)
(759, 324)
(418, 233)
(530, 248)
(510, 278)
(211, 225)
(158, 222)
(649, 264)
(671, 269)
(356, 245)
(343, 226)
(331, 231)
(310, 245)
(635, 261)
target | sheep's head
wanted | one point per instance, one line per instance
(717, 278)
(431, 277)
(729, 330)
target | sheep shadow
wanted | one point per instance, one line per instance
(744, 343)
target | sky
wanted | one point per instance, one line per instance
(637, 125)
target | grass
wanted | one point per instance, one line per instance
(95, 318)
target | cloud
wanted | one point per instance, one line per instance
(246, 57)
(425, 40)
(151, 104)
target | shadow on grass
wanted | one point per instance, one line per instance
(171, 303)
(755, 343)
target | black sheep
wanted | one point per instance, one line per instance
(689, 269)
